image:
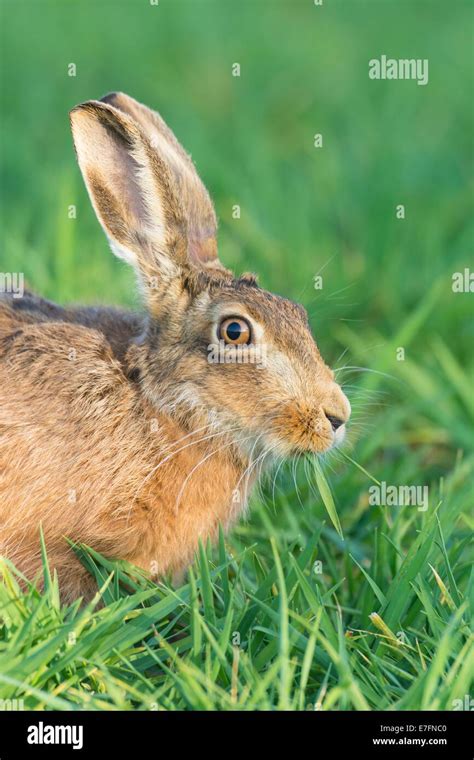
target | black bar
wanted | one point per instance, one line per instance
(372, 734)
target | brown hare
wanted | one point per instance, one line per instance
(139, 435)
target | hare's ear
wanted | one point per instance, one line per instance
(145, 191)
(201, 223)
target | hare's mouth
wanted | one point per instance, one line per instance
(289, 448)
(278, 444)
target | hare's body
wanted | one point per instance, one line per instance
(125, 432)
(83, 454)
(89, 417)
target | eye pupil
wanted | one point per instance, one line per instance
(234, 331)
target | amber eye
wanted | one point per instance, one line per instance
(234, 330)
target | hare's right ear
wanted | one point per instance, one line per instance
(150, 201)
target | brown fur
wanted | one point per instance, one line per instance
(115, 430)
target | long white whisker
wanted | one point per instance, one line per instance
(201, 462)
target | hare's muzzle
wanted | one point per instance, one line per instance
(313, 423)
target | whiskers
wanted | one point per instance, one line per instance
(175, 448)
(199, 464)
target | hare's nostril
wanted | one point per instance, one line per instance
(335, 421)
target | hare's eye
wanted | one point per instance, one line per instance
(235, 330)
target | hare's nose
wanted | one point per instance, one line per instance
(335, 421)
(337, 408)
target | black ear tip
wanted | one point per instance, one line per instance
(110, 98)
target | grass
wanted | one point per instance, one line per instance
(320, 600)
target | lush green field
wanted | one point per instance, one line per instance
(281, 613)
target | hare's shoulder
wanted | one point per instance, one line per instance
(34, 320)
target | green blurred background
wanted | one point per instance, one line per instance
(304, 70)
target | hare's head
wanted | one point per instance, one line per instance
(217, 347)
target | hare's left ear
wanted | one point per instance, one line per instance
(198, 211)
(146, 193)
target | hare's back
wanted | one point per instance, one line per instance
(58, 358)
(63, 376)
(117, 326)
